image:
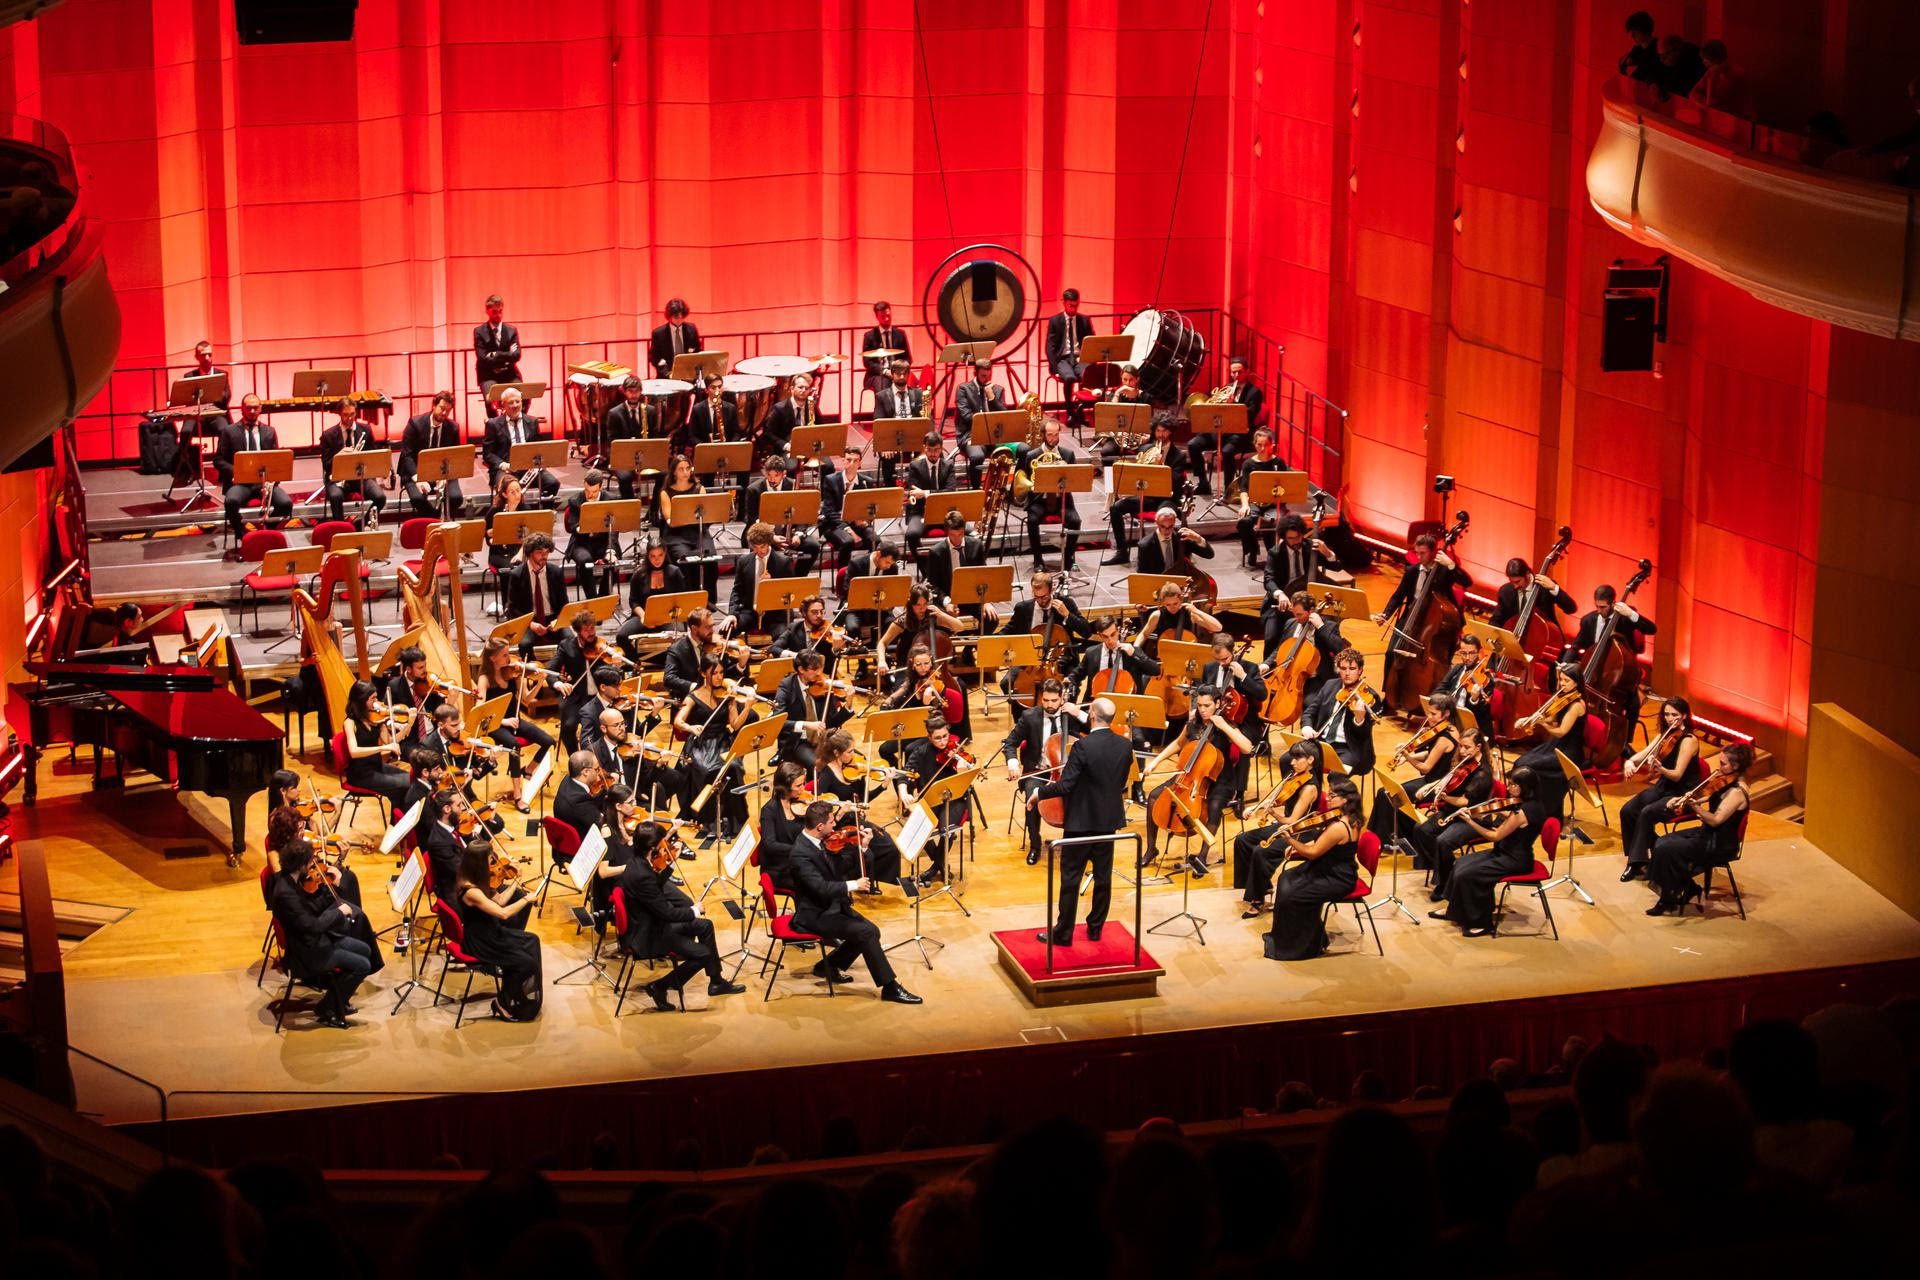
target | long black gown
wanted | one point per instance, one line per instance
(1476, 876)
(515, 951)
(706, 755)
(1300, 896)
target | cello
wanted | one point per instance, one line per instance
(1612, 675)
(1053, 809)
(1529, 682)
(1054, 637)
(1287, 682)
(1179, 808)
(1421, 643)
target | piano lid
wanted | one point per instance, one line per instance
(210, 715)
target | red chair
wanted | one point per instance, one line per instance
(1593, 735)
(1369, 859)
(1535, 879)
(780, 928)
(458, 959)
(295, 978)
(271, 952)
(254, 547)
(627, 956)
(562, 843)
(351, 796)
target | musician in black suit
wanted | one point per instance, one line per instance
(883, 337)
(510, 428)
(800, 408)
(681, 668)
(1298, 619)
(440, 839)
(808, 714)
(662, 921)
(1632, 625)
(929, 473)
(1111, 651)
(496, 348)
(537, 586)
(1025, 749)
(1348, 730)
(1233, 447)
(1466, 657)
(977, 396)
(1163, 452)
(434, 429)
(1028, 616)
(674, 338)
(570, 656)
(713, 420)
(594, 555)
(249, 435)
(1040, 505)
(573, 801)
(644, 775)
(957, 550)
(1167, 546)
(1552, 601)
(318, 930)
(847, 536)
(1064, 332)
(897, 400)
(349, 434)
(1092, 781)
(758, 562)
(600, 690)
(823, 905)
(628, 420)
(801, 546)
(1294, 557)
(881, 562)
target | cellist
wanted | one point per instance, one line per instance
(1241, 693)
(1026, 753)
(1301, 621)
(1206, 728)
(1032, 616)
(1110, 653)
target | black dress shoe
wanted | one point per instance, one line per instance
(657, 992)
(1057, 940)
(1661, 907)
(724, 988)
(826, 970)
(1093, 932)
(894, 993)
(1478, 931)
(1033, 856)
(1436, 915)
(1121, 558)
(334, 1020)
(1634, 871)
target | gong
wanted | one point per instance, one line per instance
(981, 301)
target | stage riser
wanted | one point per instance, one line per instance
(976, 1097)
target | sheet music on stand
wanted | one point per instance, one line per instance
(537, 780)
(914, 835)
(734, 861)
(593, 847)
(401, 890)
(399, 830)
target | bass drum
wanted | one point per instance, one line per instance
(1168, 351)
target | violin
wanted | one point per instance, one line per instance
(1712, 786)
(501, 871)
(1233, 703)
(827, 634)
(1550, 710)
(1418, 742)
(1302, 827)
(473, 816)
(1281, 797)
(746, 691)
(820, 686)
(600, 651)
(308, 806)
(1485, 809)
(1654, 751)
(738, 650)
(1455, 780)
(631, 748)
(401, 718)
(1476, 680)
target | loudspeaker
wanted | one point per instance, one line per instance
(293, 21)
(1629, 318)
(984, 280)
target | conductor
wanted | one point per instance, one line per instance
(823, 905)
(1094, 782)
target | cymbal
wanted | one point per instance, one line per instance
(881, 353)
(776, 366)
(663, 386)
(825, 360)
(745, 383)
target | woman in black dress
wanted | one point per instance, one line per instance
(1434, 759)
(878, 859)
(1675, 770)
(1326, 870)
(1258, 853)
(688, 542)
(503, 673)
(1565, 731)
(782, 819)
(916, 623)
(508, 498)
(1681, 855)
(484, 917)
(370, 746)
(654, 575)
(319, 929)
(1477, 874)
(708, 720)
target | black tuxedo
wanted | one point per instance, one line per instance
(1506, 607)
(660, 347)
(443, 847)
(936, 560)
(496, 357)
(1287, 568)
(1409, 585)
(1097, 659)
(969, 399)
(1064, 336)
(682, 668)
(323, 943)
(898, 402)
(236, 438)
(421, 433)
(746, 579)
(1024, 744)
(1021, 619)
(1040, 505)
(520, 593)
(497, 445)
(333, 441)
(1353, 743)
(924, 474)
(777, 430)
(700, 423)
(1094, 784)
(623, 423)
(574, 805)
(1326, 638)
(1481, 708)
(1634, 633)
(823, 906)
(793, 701)
(1125, 509)
(662, 921)
(1154, 560)
(879, 370)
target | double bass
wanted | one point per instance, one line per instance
(1529, 683)
(1612, 675)
(1420, 645)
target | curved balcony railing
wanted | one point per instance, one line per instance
(59, 321)
(1730, 197)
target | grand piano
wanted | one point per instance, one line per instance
(173, 720)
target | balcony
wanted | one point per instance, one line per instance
(1731, 197)
(59, 322)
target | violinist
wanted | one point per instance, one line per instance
(429, 775)
(508, 499)
(438, 836)
(919, 622)
(690, 547)
(1431, 751)
(1438, 838)
(494, 922)
(593, 554)
(846, 534)
(876, 858)
(1561, 722)
(1242, 692)
(605, 684)
(1205, 723)
(926, 761)
(957, 549)
(1252, 514)
(1342, 712)
(501, 673)
(572, 659)
(1040, 505)
(1175, 616)
(625, 757)
(782, 818)
(1552, 602)
(1326, 869)
(708, 721)
(823, 905)
(412, 686)
(576, 801)
(449, 737)
(803, 547)
(1026, 748)
(931, 685)
(1110, 653)
(1716, 804)
(1672, 764)
(662, 921)
(1296, 559)
(1510, 832)
(371, 741)
(621, 823)
(680, 670)
(1163, 452)
(1259, 853)
(812, 703)
(1299, 620)
(810, 632)
(1469, 680)
(292, 817)
(930, 473)
(881, 562)
(318, 931)
(1168, 548)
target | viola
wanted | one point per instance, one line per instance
(1454, 781)
(1420, 645)
(1711, 786)
(500, 871)
(472, 816)
(308, 806)
(1302, 827)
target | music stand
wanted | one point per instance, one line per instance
(511, 528)
(1127, 417)
(1576, 785)
(1002, 653)
(639, 455)
(1137, 711)
(1003, 426)
(511, 629)
(529, 391)
(1384, 782)
(782, 595)
(291, 562)
(1106, 348)
(610, 517)
(699, 510)
(670, 608)
(1062, 481)
(822, 440)
(1276, 488)
(599, 607)
(979, 584)
(970, 504)
(1221, 420)
(441, 466)
(941, 796)
(202, 392)
(267, 468)
(965, 352)
(878, 594)
(900, 435)
(1339, 602)
(1508, 654)
(322, 385)
(360, 466)
(532, 455)
(750, 739)
(873, 505)
(1143, 589)
(487, 715)
(694, 366)
(789, 507)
